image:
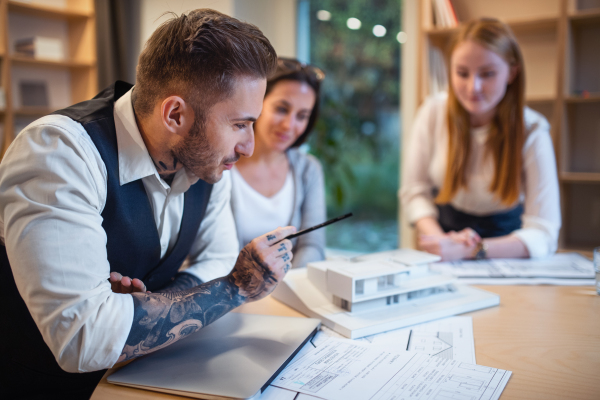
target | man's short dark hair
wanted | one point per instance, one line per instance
(198, 56)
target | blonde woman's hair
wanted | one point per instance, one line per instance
(506, 138)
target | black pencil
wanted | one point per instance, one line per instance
(303, 231)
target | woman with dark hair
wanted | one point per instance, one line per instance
(280, 185)
(480, 177)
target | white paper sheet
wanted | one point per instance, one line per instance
(450, 338)
(346, 369)
(559, 269)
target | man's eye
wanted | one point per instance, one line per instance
(462, 74)
(240, 126)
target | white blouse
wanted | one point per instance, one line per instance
(261, 214)
(424, 169)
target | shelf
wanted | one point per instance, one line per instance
(33, 111)
(38, 10)
(593, 98)
(50, 63)
(540, 99)
(588, 16)
(580, 177)
(517, 25)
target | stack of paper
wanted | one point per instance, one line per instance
(559, 269)
(428, 361)
(40, 47)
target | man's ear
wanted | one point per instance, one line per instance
(176, 115)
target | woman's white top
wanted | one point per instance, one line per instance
(261, 214)
(424, 169)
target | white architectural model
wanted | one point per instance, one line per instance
(378, 292)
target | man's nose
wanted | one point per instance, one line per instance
(246, 146)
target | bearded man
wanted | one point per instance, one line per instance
(109, 195)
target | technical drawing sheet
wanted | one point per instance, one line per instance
(559, 269)
(450, 338)
(347, 370)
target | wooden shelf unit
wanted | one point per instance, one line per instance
(69, 81)
(74, 9)
(559, 40)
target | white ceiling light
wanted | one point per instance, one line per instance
(379, 30)
(353, 23)
(323, 15)
(401, 37)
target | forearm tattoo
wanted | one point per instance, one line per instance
(161, 319)
(164, 317)
(182, 281)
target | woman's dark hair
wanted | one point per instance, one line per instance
(289, 69)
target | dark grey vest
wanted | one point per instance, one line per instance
(133, 247)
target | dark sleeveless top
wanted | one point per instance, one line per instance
(29, 369)
(487, 226)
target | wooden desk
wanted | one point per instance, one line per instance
(549, 336)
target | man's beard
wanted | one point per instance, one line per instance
(197, 156)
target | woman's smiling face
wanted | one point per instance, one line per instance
(285, 114)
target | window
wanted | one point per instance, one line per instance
(356, 43)
(360, 286)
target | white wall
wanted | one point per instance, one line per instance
(151, 12)
(276, 18)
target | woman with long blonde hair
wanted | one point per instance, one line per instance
(480, 178)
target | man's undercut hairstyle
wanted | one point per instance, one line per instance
(198, 56)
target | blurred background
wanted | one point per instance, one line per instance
(382, 58)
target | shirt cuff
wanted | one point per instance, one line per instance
(99, 343)
(537, 242)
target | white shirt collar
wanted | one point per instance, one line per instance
(134, 160)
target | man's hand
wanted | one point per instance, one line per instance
(124, 284)
(262, 264)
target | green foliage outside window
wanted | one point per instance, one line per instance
(357, 136)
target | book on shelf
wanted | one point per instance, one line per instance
(2, 99)
(444, 14)
(40, 47)
(34, 94)
(438, 74)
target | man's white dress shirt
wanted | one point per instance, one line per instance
(425, 167)
(53, 186)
